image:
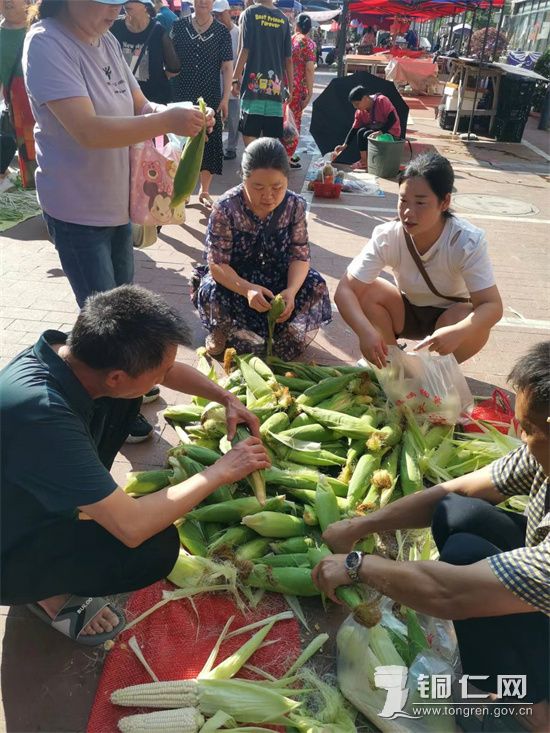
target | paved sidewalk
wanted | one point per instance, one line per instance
(47, 682)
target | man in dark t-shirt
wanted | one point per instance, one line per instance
(265, 58)
(66, 405)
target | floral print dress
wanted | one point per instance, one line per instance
(303, 51)
(259, 251)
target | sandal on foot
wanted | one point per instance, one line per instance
(77, 613)
(206, 200)
(359, 166)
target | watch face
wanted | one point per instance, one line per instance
(353, 560)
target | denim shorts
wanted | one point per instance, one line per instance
(94, 259)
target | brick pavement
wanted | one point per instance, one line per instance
(47, 682)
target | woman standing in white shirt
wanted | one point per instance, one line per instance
(445, 284)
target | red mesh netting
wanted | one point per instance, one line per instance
(176, 643)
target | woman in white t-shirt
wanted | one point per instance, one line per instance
(460, 305)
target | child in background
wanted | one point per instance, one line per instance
(374, 113)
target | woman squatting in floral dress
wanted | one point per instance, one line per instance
(256, 247)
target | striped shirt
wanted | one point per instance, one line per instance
(526, 570)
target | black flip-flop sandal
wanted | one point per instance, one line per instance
(77, 613)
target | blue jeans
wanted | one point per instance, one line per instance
(94, 259)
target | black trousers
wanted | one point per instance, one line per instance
(363, 134)
(466, 531)
(82, 558)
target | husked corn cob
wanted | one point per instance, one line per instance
(273, 524)
(172, 694)
(181, 720)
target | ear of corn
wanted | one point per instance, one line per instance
(261, 367)
(288, 581)
(361, 479)
(277, 308)
(324, 389)
(230, 666)
(253, 549)
(232, 537)
(192, 538)
(410, 475)
(198, 453)
(182, 720)
(317, 433)
(310, 516)
(326, 505)
(230, 512)
(273, 524)
(351, 427)
(256, 480)
(295, 384)
(146, 482)
(289, 560)
(244, 701)
(189, 166)
(292, 545)
(183, 413)
(277, 423)
(172, 694)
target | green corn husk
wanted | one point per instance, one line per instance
(310, 516)
(292, 545)
(355, 451)
(252, 550)
(295, 384)
(256, 480)
(278, 306)
(192, 538)
(409, 474)
(361, 479)
(273, 524)
(205, 456)
(276, 423)
(212, 530)
(385, 437)
(326, 505)
(324, 389)
(350, 427)
(315, 457)
(305, 478)
(317, 433)
(230, 512)
(288, 581)
(146, 482)
(308, 496)
(261, 367)
(184, 414)
(289, 560)
(189, 165)
(231, 538)
(192, 571)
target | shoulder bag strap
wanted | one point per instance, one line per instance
(12, 73)
(418, 262)
(143, 49)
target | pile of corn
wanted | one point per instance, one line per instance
(337, 448)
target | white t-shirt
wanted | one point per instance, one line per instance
(458, 263)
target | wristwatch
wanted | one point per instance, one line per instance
(353, 564)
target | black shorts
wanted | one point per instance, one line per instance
(261, 126)
(420, 320)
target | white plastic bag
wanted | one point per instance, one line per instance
(375, 687)
(431, 386)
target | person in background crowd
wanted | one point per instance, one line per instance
(204, 48)
(164, 15)
(374, 113)
(147, 48)
(13, 27)
(72, 397)
(303, 63)
(493, 574)
(458, 312)
(318, 38)
(89, 109)
(256, 247)
(265, 56)
(411, 36)
(222, 12)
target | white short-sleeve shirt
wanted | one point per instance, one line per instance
(458, 263)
